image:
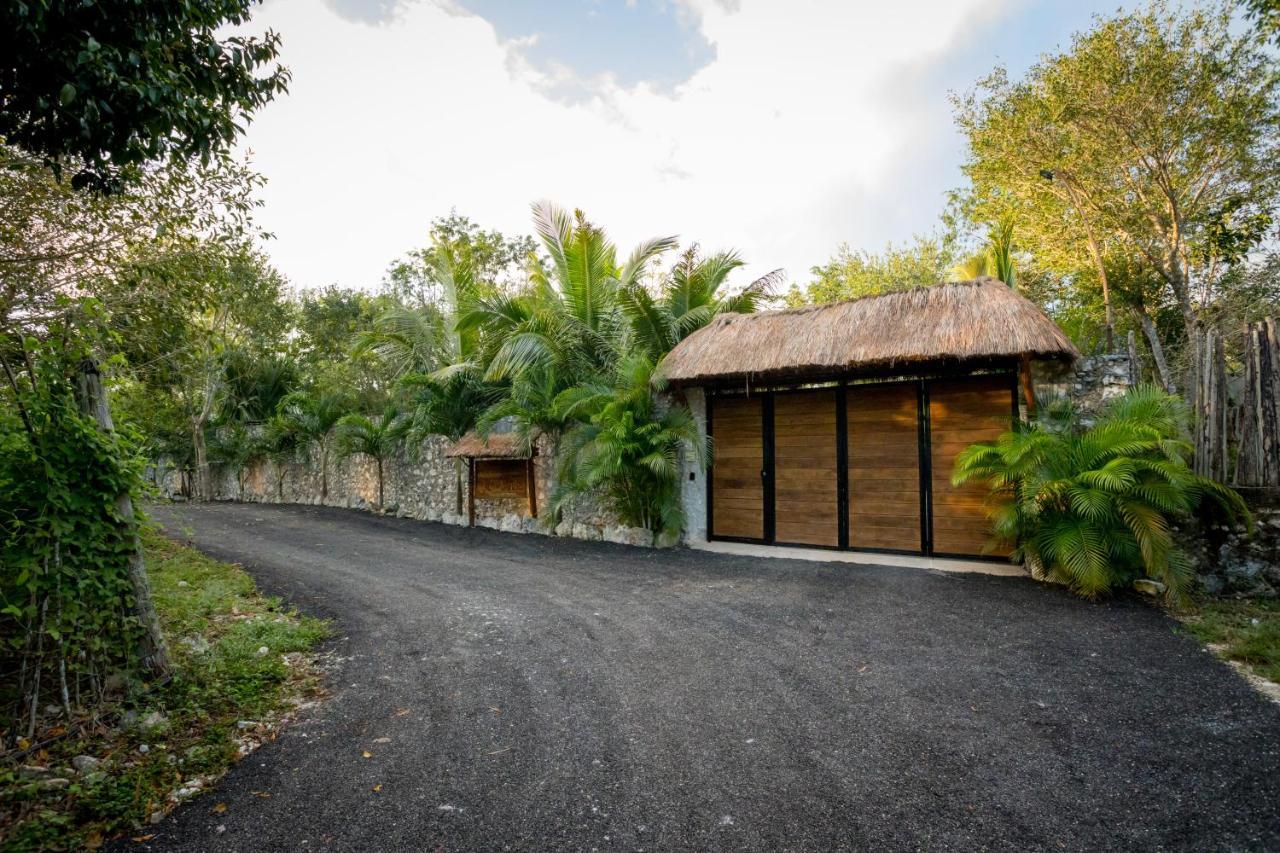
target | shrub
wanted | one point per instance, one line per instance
(1093, 506)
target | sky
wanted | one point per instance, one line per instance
(779, 128)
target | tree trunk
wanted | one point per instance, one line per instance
(1135, 366)
(152, 652)
(380, 504)
(324, 470)
(204, 477)
(1157, 352)
(457, 482)
(1096, 254)
(203, 486)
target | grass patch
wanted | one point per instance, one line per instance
(1243, 630)
(241, 661)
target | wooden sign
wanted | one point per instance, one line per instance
(501, 478)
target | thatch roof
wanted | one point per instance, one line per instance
(945, 323)
(497, 446)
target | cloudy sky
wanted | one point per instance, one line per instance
(778, 127)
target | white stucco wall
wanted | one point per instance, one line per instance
(693, 486)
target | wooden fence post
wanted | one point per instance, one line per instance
(1258, 457)
(1209, 402)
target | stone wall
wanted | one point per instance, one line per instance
(1230, 561)
(426, 485)
(1091, 381)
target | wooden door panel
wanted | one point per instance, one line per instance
(806, 499)
(963, 412)
(884, 466)
(737, 492)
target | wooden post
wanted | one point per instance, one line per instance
(1135, 366)
(471, 491)
(531, 487)
(1028, 390)
(152, 652)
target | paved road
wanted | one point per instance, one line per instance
(566, 695)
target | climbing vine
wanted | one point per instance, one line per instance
(66, 631)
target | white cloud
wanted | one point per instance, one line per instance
(795, 138)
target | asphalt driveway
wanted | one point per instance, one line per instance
(569, 695)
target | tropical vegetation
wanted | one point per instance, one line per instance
(1095, 506)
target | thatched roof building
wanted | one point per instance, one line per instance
(496, 446)
(983, 319)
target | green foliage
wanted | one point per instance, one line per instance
(1152, 139)
(377, 439)
(928, 259)
(113, 84)
(568, 324)
(219, 679)
(995, 259)
(493, 261)
(63, 544)
(311, 418)
(255, 384)
(687, 299)
(622, 447)
(1093, 506)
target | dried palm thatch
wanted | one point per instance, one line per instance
(497, 446)
(945, 323)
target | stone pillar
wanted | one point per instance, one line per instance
(693, 485)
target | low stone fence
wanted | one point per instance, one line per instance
(424, 484)
(1229, 561)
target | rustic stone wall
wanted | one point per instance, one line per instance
(1230, 561)
(1091, 381)
(423, 485)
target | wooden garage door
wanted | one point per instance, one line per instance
(961, 412)
(884, 466)
(737, 491)
(806, 489)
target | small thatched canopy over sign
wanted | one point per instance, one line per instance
(496, 446)
(974, 320)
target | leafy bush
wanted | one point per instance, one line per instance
(1092, 506)
(64, 546)
(628, 450)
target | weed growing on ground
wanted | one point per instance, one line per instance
(241, 660)
(1244, 630)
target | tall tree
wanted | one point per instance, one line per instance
(105, 86)
(688, 297)
(312, 417)
(568, 322)
(377, 439)
(851, 274)
(1154, 135)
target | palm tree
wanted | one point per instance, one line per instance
(623, 447)
(254, 384)
(359, 435)
(236, 448)
(689, 298)
(312, 417)
(404, 339)
(568, 323)
(280, 439)
(995, 259)
(1092, 507)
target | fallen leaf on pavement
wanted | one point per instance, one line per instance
(220, 808)
(141, 838)
(367, 754)
(400, 712)
(262, 794)
(382, 740)
(377, 788)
